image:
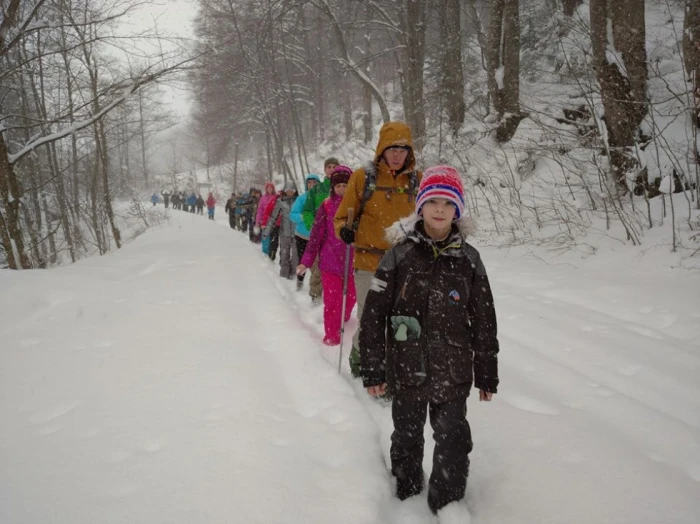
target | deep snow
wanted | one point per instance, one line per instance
(180, 380)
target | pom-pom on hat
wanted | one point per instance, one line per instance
(340, 175)
(441, 182)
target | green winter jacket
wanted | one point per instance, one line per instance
(317, 195)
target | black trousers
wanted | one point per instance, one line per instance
(274, 242)
(453, 443)
(301, 246)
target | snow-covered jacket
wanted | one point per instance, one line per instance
(323, 242)
(280, 215)
(429, 322)
(264, 201)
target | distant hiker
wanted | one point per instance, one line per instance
(166, 198)
(154, 199)
(331, 253)
(251, 205)
(192, 202)
(263, 205)
(200, 205)
(211, 205)
(428, 330)
(230, 209)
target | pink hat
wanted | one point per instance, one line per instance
(441, 182)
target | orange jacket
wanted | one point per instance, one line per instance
(384, 207)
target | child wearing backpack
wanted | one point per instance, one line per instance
(331, 252)
(428, 331)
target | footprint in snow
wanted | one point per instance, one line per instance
(49, 415)
(530, 404)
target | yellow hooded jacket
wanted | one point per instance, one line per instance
(385, 206)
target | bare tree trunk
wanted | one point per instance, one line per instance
(103, 156)
(691, 53)
(503, 63)
(412, 16)
(54, 169)
(10, 193)
(624, 96)
(493, 56)
(142, 130)
(452, 71)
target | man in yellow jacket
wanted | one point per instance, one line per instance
(391, 198)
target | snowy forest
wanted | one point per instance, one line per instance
(566, 118)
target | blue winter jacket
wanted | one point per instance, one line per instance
(295, 216)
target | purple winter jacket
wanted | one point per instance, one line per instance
(323, 242)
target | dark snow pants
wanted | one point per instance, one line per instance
(274, 242)
(453, 443)
(301, 247)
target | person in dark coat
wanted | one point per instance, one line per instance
(428, 331)
(230, 209)
(200, 205)
(254, 234)
(166, 198)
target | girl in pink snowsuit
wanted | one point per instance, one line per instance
(331, 252)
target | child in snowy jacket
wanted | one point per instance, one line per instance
(280, 223)
(331, 252)
(211, 206)
(428, 330)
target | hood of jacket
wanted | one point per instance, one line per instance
(406, 229)
(395, 134)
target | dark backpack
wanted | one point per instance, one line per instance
(371, 186)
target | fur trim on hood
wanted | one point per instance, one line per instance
(401, 229)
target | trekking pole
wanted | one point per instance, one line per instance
(351, 216)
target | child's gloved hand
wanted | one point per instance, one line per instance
(405, 328)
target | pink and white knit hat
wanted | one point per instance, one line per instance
(441, 182)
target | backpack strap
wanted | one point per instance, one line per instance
(371, 186)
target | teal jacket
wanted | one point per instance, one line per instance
(296, 216)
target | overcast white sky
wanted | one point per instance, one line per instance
(173, 18)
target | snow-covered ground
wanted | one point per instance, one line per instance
(180, 380)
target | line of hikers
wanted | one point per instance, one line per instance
(192, 203)
(427, 329)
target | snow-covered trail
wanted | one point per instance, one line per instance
(179, 380)
(169, 382)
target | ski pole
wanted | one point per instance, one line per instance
(351, 216)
